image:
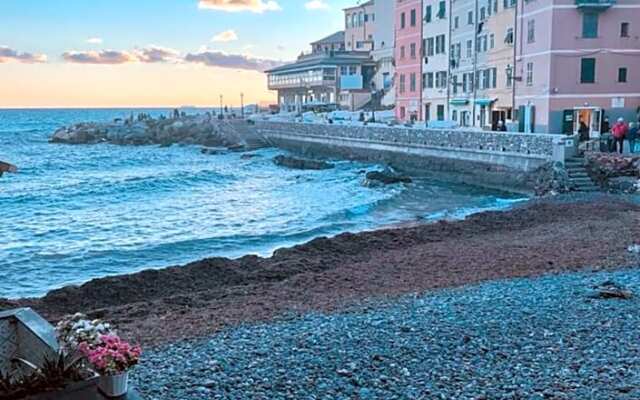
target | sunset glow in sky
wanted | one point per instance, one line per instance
(119, 53)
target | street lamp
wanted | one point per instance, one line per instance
(221, 113)
(373, 105)
(242, 104)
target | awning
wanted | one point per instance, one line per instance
(459, 102)
(484, 102)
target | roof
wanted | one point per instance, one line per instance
(325, 59)
(35, 323)
(365, 4)
(333, 38)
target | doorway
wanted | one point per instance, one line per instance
(587, 122)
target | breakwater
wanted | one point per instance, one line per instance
(515, 161)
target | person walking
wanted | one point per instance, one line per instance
(632, 136)
(619, 132)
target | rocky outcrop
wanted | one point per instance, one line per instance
(551, 179)
(301, 163)
(6, 167)
(616, 172)
(385, 177)
(198, 129)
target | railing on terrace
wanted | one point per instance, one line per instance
(595, 4)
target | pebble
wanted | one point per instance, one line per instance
(542, 338)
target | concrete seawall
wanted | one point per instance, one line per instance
(493, 159)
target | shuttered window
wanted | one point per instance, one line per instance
(588, 70)
(589, 25)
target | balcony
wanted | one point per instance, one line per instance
(594, 5)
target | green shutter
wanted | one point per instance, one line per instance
(590, 25)
(588, 70)
(427, 17)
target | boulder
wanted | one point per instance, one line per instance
(213, 150)
(301, 163)
(610, 290)
(386, 177)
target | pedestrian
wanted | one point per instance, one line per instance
(583, 132)
(632, 136)
(619, 132)
(605, 132)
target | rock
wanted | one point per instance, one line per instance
(6, 167)
(386, 177)
(213, 150)
(634, 248)
(249, 156)
(623, 184)
(236, 147)
(551, 179)
(301, 163)
(610, 290)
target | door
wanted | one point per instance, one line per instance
(567, 122)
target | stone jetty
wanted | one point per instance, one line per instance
(202, 129)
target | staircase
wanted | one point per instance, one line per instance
(578, 176)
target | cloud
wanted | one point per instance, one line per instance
(234, 61)
(256, 6)
(99, 57)
(7, 54)
(226, 36)
(157, 54)
(316, 5)
(150, 54)
(94, 40)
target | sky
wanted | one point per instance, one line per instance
(146, 53)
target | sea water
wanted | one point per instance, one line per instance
(77, 212)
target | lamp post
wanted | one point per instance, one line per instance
(221, 113)
(242, 104)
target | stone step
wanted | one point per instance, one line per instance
(578, 175)
(570, 164)
(581, 181)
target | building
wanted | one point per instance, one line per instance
(464, 62)
(324, 80)
(435, 68)
(334, 42)
(408, 58)
(577, 61)
(360, 25)
(383, 48)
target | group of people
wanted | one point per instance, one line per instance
(620, 132)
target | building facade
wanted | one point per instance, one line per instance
(578, 61)
(383, 51)
(435, 60)
(360, 26)
(409, 60)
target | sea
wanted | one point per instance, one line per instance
(73, 213)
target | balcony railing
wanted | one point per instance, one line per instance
(595, 4)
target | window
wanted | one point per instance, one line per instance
(413, 17)
(588, 70)
(469, 48)
(403, 21)
(343, 70)
(483, 13)
(486, 79)
(458, 51)
(494, 77)
(442, 9)
(412, 51)
(346, 22)
(427, 112)
(412, 82)
(353, 70)
(440, 112)
(456, 22)
(424, 81)
(531, 31)
(454, 115)
(489, 8)
(427, 14)
(589, 25)
(622, 75)
(430, 80)
(402, 83)
(624, 29)
(470, 18)
(492, 41)
(401, 52)
(530, 74)
(454, 84)
(441, 79)
(430, 46)
(464, 82)
(508, 38)
(440, 43)
(484, 43)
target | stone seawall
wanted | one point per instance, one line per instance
(500, 160)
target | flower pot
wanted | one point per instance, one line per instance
(114, 385)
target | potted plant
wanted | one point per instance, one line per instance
(112, 358)
(106, 353)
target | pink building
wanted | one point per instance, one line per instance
(577, 61)
(408, 56)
